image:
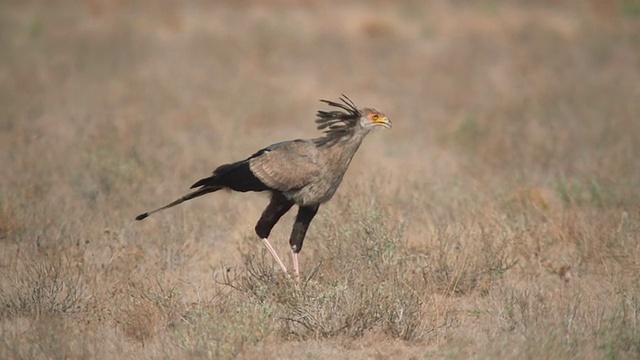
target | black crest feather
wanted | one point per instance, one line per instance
(336, 124)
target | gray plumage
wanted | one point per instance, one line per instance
(306, 173)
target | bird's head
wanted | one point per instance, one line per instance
(339, 123)
(373, 117)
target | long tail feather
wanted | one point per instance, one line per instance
(189, 196)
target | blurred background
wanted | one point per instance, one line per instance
(515, 136)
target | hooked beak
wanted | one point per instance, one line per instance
(384, 122)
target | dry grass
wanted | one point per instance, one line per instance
(499, 218)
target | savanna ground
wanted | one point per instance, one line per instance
(499, 218)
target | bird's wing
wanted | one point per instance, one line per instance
(287, 165)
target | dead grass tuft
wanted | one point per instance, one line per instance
(145, 311)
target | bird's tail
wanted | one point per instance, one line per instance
(189, 196)
(236, 176)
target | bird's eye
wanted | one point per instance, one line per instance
(375, 117)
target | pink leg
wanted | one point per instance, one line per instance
(296, 265)
(275, 256)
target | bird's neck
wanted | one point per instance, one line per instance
(343, 150)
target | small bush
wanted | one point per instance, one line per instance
(41, 287)
(364, 283)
